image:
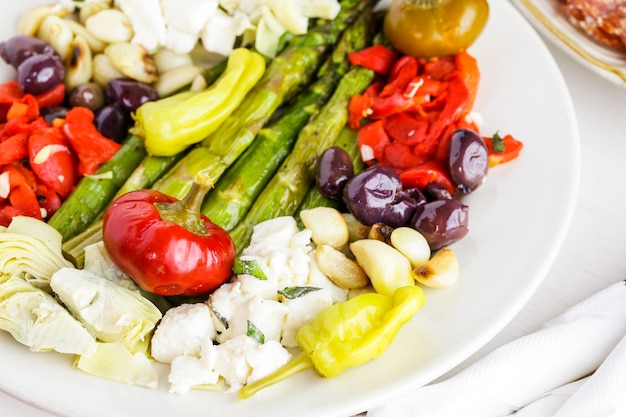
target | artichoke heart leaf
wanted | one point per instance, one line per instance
(114, 362)
(35, 319)
(113, 313)
(31, 249)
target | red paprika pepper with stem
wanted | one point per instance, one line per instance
(165, 245)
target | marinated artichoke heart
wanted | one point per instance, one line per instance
(30, 249)
(35, 319)
(114, 362)
(111, 312)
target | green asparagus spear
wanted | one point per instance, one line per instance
(235, 192)
(93, 193)
(148, 172)
(285, 76)
(285, 191)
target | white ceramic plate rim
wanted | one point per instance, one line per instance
(518, 221)
(547, 16)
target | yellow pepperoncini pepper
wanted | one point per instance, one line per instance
(171, 124)
(347, 334)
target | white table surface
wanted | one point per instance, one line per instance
(594, 252)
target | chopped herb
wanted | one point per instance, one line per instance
(498, 143)
(295, 292)
(248, 267)
(221, 318)
(255, 333)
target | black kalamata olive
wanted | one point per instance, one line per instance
(436, 191)
(469, 160)
(112, 122)
(374, 196)
(15, 50)
(39, 74)
(88, 95)
(55, 112)
(442, 222)
(334, 168)
(413, 194)
(129, 94)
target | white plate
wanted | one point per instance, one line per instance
(548, 17)
(518, 220)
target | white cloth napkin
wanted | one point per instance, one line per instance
(565, 349)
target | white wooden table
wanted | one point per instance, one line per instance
(594, 253)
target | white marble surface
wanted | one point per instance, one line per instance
(594, 253)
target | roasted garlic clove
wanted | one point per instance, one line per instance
(340, 269)
(385, 266)
(327, 225)
(442, 270)
(411, 244)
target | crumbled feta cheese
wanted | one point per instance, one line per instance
(236, 308)
(266, 359)
(188, 15)
(182, 331)
(277, 232)
(281, 250)
(242, 358)
(147, 21)
(190, 371)
(223, 303)
(303, 310)
(231, 361)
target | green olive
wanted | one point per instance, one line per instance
(433, 28)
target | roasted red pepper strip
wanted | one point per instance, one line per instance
(439, 69)
(372, 139)
(53, 97)
(358, 110)
(9, 92)
(91, 147)
(457, 106)
(399, 156)
(502, 149)
(402, 73)
(467, 68)
(167, 246)
(406, 128)
(14, 148)
(22, 199)
(378, 58)
(425, 173)
(52, 160)
(25, 107)
(48, 200)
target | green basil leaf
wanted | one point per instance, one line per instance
(255, 333)
(295, 292)
(498, 143)
(248, 267)
(220, 318)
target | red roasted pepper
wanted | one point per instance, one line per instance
(426, 173)
(52, 160)
(36, 158)
(378, 58)
(166, 245)
(91, 146)
(502, 149)
(21, 199)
